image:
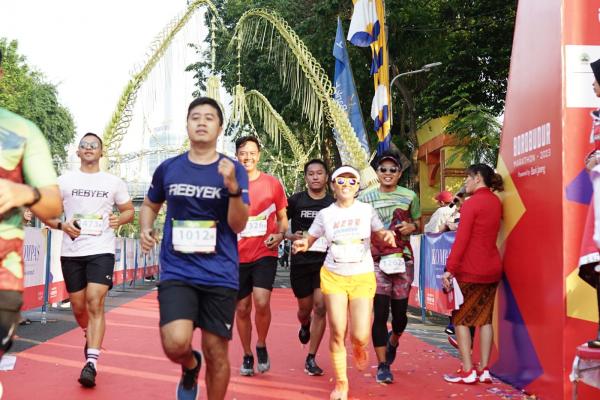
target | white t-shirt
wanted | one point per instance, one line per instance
(348, 234)
(439, 218)
(90, 198)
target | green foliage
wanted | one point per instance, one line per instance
(27, 93)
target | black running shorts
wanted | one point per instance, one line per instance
(260, 274)
(79, 271)
(211, 308)
(305, 278)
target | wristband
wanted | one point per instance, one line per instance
(36, 197)
(237, 193)
(59, 226)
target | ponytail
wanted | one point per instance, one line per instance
(491, 179)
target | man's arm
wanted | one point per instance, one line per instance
(148, 213)
(282, 226)
(18, 195)
(237, 214)
(126, 215)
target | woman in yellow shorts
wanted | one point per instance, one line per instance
(347, 277)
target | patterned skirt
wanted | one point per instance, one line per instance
(478, 305)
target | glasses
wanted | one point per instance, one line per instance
(350, 181)
(89, 145)
(392, 170)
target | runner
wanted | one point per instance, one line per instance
(398, 208)
(27, 179)
(258, 244)
(347, 277)
(206, 194)
(305, 267)
(88, 245)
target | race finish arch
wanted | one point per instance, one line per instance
(544, 310)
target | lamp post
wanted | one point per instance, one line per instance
(424, 68)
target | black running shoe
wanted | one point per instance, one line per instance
(263, 359)
(304, 333)
(247, 368)
(187, 389)
(88, 375)
(311, 367)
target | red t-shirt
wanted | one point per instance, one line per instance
(474, 256)
(266, 198)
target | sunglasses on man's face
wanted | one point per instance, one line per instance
(89, 145)
(384, 170)
(342, 181)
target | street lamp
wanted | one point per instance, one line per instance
(424, 68)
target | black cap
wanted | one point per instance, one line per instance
(389, 157)
(596, 69)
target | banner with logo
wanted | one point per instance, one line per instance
(436, 248)
(34, 271)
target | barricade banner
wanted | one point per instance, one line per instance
(57, 291)
(414, 297)
(34, 260)
(129, 258)
(119, 260)
(436, 248)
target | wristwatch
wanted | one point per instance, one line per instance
(237, 193)
(36, 197)
(59, 226)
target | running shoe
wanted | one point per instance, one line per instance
(384, 375)
(311, 367)
(304, 333)
(263, 359)
(340, 392)
(390, 350)
(187, 389)
(88, 375)
(361, 357)
(453, 342)
(449, 329)
(247, 368)
(484, 376)
(461, 376)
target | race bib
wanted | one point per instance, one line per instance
(319, 245)
(90, 224)
(392, 264)
(256, 226)
(194, 236)
(348, 251)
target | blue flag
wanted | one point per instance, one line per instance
(345, 90)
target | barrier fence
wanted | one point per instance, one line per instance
(43, 279)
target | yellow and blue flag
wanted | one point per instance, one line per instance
(344, 90)
(366, 29)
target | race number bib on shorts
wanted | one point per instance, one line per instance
(392, 264)
(255, 227)
(91, 224)
(348, 250)
(320, 245)
(194, 236)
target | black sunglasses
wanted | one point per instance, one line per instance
(392, 170)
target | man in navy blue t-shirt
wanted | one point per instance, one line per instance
(207, 206)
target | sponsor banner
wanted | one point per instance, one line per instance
(57, 291)
(34, 268)
(436, 248)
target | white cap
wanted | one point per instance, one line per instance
(346, 169)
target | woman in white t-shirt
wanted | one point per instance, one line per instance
(347, 277)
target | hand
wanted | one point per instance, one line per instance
(452, 226)
(14, 195)
(300, 245)
(273, 240)
(226, 169)
(406, 228)
(70, 229)
(147, 240)
(388, 237)
(295, 236)
(113, 220)
(447, 280)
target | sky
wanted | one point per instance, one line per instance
(87, 48)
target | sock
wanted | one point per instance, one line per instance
(92, 356)
(338, 361)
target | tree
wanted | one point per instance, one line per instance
(27, 93)
(472, 38)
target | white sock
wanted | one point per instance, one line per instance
(92, 356)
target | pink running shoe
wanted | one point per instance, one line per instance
(466, 377)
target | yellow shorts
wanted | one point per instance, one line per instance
(353, 286)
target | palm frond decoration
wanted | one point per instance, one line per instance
(119, 123)
(302, 74)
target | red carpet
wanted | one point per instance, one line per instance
(133, 366)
